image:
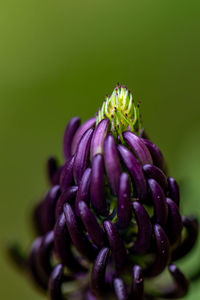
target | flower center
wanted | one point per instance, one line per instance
(122, 112)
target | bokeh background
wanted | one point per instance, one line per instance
(59, 59)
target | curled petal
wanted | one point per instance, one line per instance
(174, 222)
(81, 156)
(156, 154)
(68, 195)
(162, 256)
(181, 284)
(173, 190)
(137, 289)
(159, 202)
(52, 167)
(55, 283)
(78, 237)
(70, 130)
(138, 147)
(157, 174)
(135, 171)
(83, 189)
(124, 201)
(98, 137)
(38, 219)
(44, 254)
(66, 176)
(116, 245)
(191, 225)
(97, 186)
(143, 241)
(33, 266)
(48, 211)
(62, 243)
(80, 132)
(93, 228)
(112, 163)
(98, 271)
(120, 289)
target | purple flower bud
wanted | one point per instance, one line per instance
(94, 230)
(98, 283)
(55, 282)
(79, 134)
(142, 244)
(156, 154)
(81, 156)
(98, 138)
(120, 289)
(79, 239)
(138, 147)
(137, 289)
(97, 186)
(159, 202)
(173, 190)
(116, 245)
(157, 174)
(83, 193)
(70, 130)
(162, 256)
(124, 202)
(135, 171)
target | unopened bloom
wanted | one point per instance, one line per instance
(110, 221)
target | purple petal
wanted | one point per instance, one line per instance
(49, 206)
(98, 137)
(78, 237)
(162, 256)
(173, 190)
(135, 171)
(52, 167)
(33, 265)
(181, 285)
(159, 202)
(120, 289)
(143, 241)
(156, 154)
(70, 130)
(191, 225)
(38, 220)
(68, 195)
(157, 174)
(80, 132)
(97, 186)
(83, 193)
(137, 289)
(124, 202)
(174, 222)
(44, 255)
(138, 147)
(93, 228)
(112, 163)
(62, 244)
(66, 176)
(98, 271)
(116, 245)
(55, 283)
(81, 156)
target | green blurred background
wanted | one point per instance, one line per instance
(59, 59)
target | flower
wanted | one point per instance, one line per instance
(110, 223)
